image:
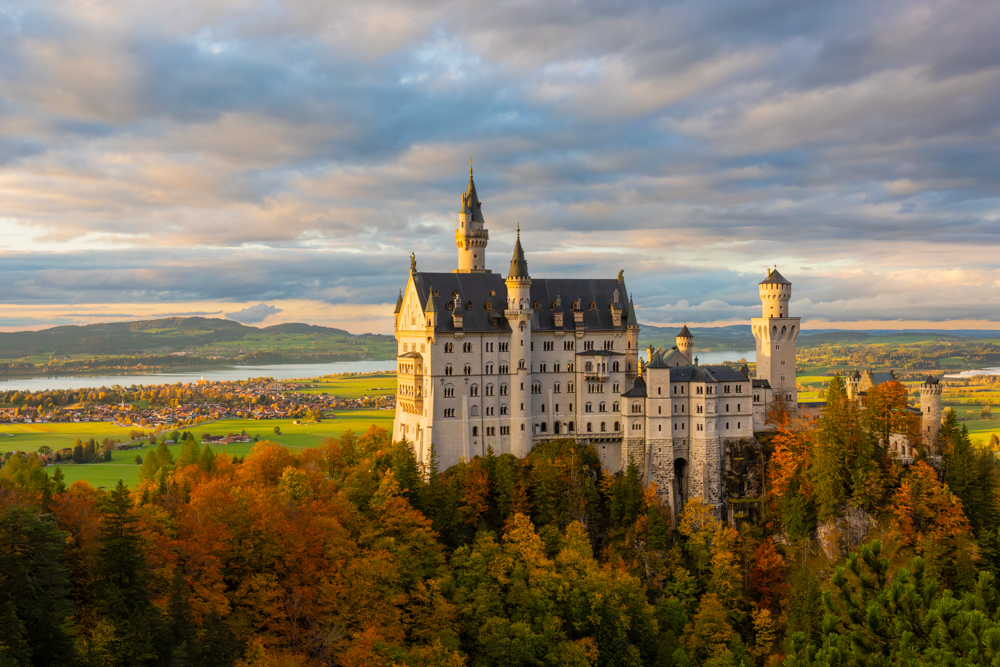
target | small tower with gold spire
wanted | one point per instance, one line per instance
(471, 236)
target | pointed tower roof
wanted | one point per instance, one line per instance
(685, 333)
(399, 303)
(775, 278)
(470, 201)
(431, 305)
(631, 321)
(518, 265)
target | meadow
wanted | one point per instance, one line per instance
(352, 386)
(123, 466)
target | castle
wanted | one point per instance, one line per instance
(505, 363)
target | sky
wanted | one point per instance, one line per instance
(272, 161)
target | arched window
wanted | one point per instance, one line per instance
(555, 368)
(590, 428)
(615, 407)
(489, 369)
(503, 389)
(447, 369)
(449, 347)
(489, 390)
(603, 427)
(475, 431)
(503, 409)
(541, 368)
(602, 407)
(556, 388)
(614, 367)
(589, 407)
(570, 427)
(544, 427)
(474, 411)
(468, 369)
(617, 426)
(588, 367)
(474, 390)
(520, 364)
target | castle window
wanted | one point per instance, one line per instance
(675, 389)
(536, 387)
(520, 364)
(489, 412)
(474, 390)
(449, 412)
(588, 367)
(737, 425)
(570, 387)
(556, 388)
(588, 345)
(447, 369)
(504, 347)
(617, 426)
(570, 428)
(603, 427)
(727, 407)
(569, 367)
(737, 407)
(489, 369)
(699, 409)
(555, 368)
(503, 409)
(727, 426)
(448, 347)
(468, 369)
(568, 345)
(683, 427)
(700, 427)
(782, 378)
(756, 398)
(532, 346)
(449, 392)
(660, 429)
(675, 427)
(602, 407)
(541, 368)
(589, 407)
(548, 346)
(503, 389)
(659, 410)
(474, 411)
(614, 407)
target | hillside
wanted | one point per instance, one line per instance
(182, 341)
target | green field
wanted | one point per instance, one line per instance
(294, 436)
(376, 384)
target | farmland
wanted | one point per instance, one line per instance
(122, 466)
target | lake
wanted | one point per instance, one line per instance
(993, 370)
(276, 371)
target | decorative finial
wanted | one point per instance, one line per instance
(519, 230)
(470, 165)
(413, 261)
(621, 275)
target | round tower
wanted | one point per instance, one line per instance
(685, 342)
(471, 236)
(776, 335)
(775, 293)
(930, 412)
(519, 313)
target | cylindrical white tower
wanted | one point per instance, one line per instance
(685, 342)
(776, 335)
(519, 313)
(471, 236)
(930, 412)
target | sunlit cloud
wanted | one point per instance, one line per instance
(201, 158)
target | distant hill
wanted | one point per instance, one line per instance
(738, 337)
(210, 338)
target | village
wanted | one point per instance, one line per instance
(177, 405)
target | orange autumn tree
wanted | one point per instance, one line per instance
(790, 487)
(929, 519)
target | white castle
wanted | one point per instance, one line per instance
(487, 362)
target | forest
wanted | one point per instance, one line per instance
(352, 554)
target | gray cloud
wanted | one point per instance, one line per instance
(254, 314)
(214, 151)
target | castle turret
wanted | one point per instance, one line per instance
(519, 313)
(631, 339)
(471, 236)
(685, 342)
(776, 335)
(930, 412)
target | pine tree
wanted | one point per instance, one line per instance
(836, 442)
(207, 458)
(189, 454)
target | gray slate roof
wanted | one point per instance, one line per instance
(685, 333)
(518, 264)
(476, 288)
(707, 374)
(638, 389)
(775, 278)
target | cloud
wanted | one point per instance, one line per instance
(254, 314)
(220, 152)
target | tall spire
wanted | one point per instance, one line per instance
(470, 200)
(518, 265)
